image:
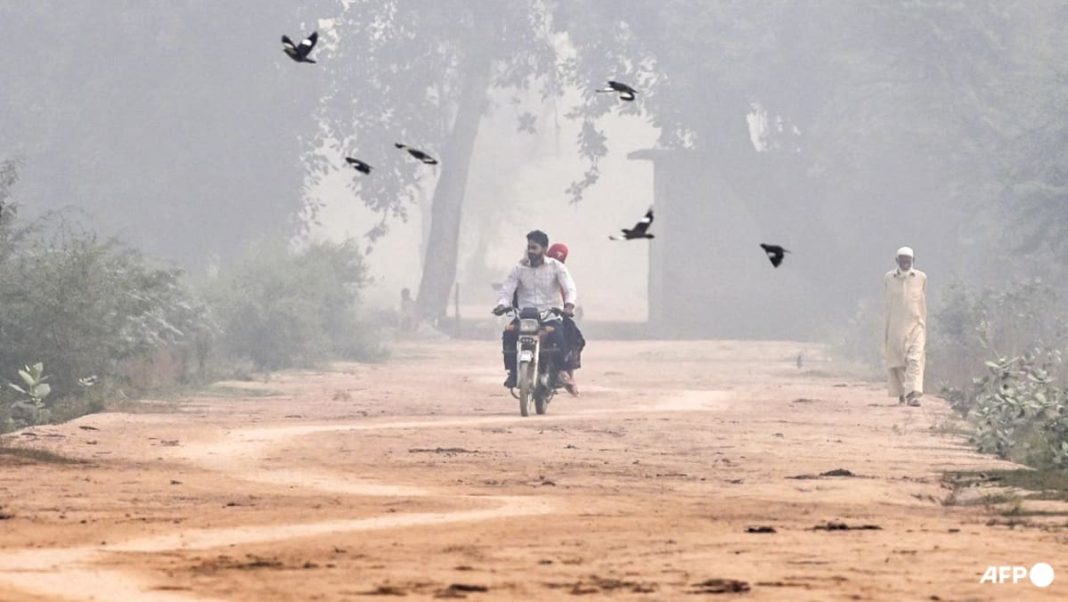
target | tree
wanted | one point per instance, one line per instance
(8, 177)
(885, 121)
(1034, 200)
(421, 74)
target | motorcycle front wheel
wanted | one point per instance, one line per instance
(526, 387)
(542, 393)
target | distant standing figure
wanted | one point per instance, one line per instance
(905, 338)
(407, 311)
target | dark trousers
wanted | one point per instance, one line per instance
(575, 343)
(510, 337)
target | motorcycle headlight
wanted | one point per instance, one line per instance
(528, 326)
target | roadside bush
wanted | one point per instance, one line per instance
(33, 391)
(968, 328)
(83, 319)
(84, 306)
(1019, 411)
(1017, 404)
(282, 308)
(87, 308)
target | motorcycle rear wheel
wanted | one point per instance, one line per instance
(541, 401)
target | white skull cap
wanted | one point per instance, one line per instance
(905, 252)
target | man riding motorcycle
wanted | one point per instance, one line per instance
(537, 281)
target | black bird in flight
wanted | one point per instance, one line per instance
(418, 154)
(300, 53)
(640, 230)
(358, 165)
(625, 92)
(775, 253)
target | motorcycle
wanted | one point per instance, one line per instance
(536, 363)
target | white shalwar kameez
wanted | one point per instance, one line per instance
(905, 337)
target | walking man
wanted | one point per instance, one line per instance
(905, 338)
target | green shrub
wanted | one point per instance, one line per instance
(283, 308)
(1019, 411)
(101, 316)
(85, 306)
(1014, 405)
(29, 406)
(969, 327)
(87, 309)
(1017, 405)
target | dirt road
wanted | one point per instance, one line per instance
(418, 478)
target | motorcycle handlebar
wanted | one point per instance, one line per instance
(500, 311)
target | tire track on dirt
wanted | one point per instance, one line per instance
(69, 573)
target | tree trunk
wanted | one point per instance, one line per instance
(442, 248)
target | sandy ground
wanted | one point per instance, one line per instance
(418, 478)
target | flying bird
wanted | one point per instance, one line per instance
(418, 154)
(358, 165)
(640, 230)
(775, 253)
(300, 53)
(625, 92)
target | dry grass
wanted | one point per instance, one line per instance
(31, 455)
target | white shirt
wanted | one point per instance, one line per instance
(905, 293)
(540, 286)
(905, 297)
